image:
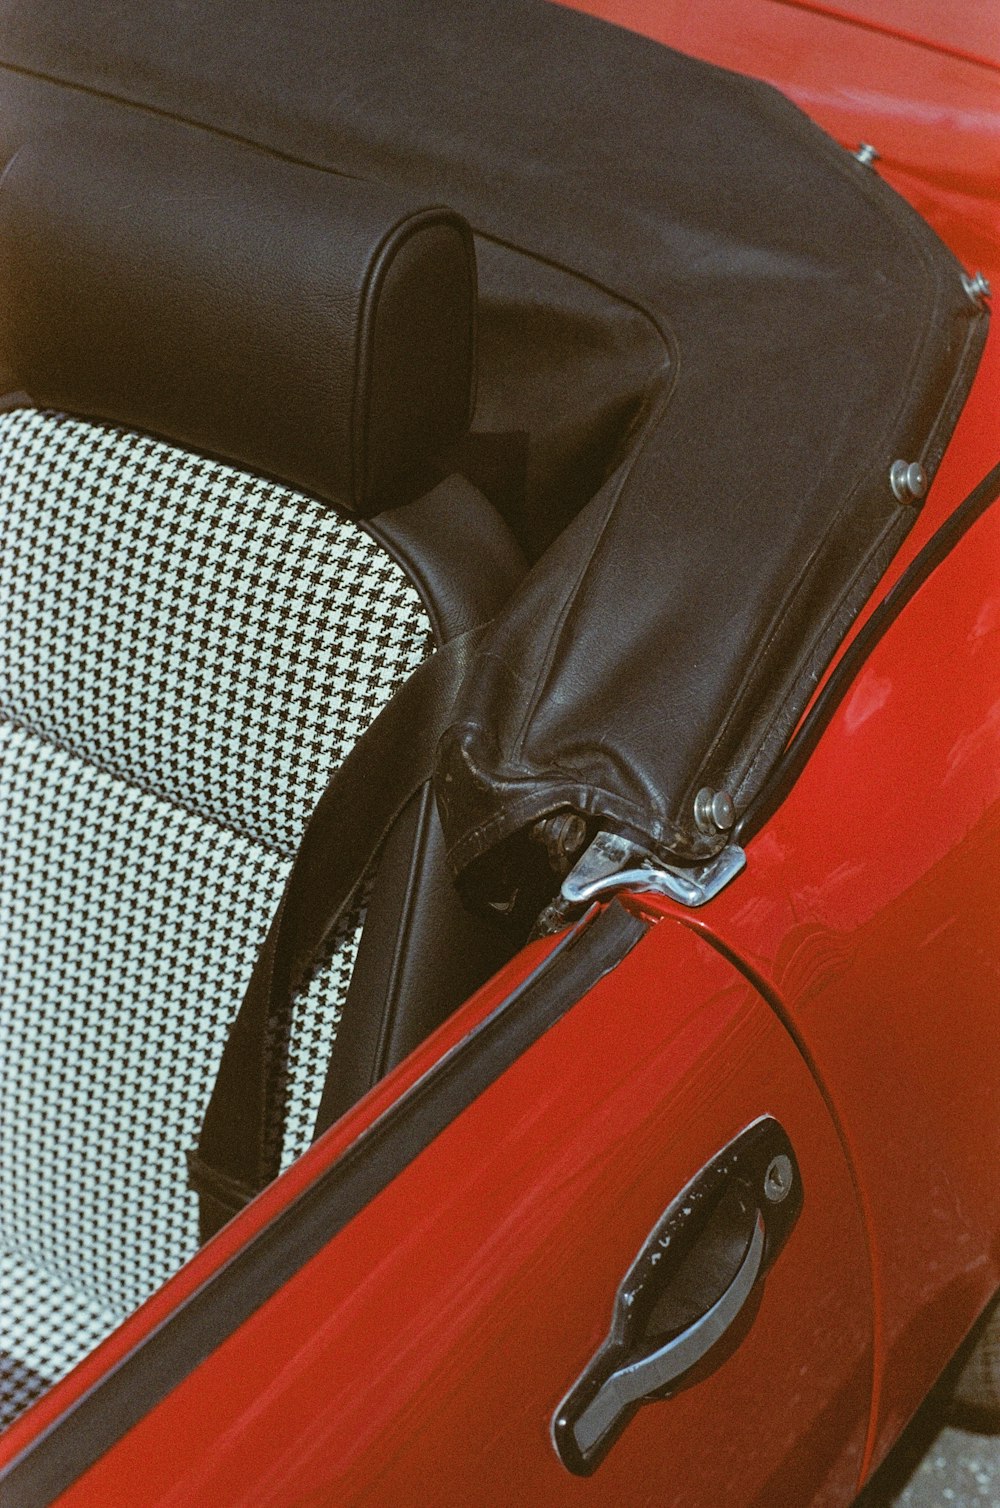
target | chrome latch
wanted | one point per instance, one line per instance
(612, 863)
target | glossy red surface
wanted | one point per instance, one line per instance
(886, 958)
(968, 31)
(870, 904)
(419, 1358)
(275, 1198)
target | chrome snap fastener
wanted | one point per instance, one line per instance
(908, 480)
(977, 288)
(714, 811)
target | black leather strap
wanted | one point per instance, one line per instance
(239, 1149)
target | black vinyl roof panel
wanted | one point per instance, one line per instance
(717, 328)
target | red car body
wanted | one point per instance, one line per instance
(846, 983)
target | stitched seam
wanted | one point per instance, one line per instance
(660, 833)
(816, 557)
(807, 656)
(815, 644)
(545, 667)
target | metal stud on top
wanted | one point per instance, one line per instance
(908, 480)
(714, 811)
(977, 287)
(866, 154)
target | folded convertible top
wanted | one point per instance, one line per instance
(717, 328)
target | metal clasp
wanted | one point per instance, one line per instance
(612, 863)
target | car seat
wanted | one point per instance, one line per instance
(228, 535)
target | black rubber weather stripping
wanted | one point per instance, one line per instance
(121, 1398)
(793, 761)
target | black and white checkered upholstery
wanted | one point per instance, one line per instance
(186, 653)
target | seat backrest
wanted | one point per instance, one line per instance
(188, 651)
(188, 648)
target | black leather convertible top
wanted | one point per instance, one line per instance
(718, 329)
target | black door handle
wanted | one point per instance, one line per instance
(688, 1285)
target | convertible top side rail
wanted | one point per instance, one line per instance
(791, 764)
(612, 864)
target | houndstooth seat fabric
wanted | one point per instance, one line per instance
(186, 653)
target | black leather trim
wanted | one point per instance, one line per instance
(422, 952)
(457, 551)
(717, 326)
(417, 355)
(308, 325)
(243, 1129)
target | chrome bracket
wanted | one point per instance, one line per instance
(612, 863)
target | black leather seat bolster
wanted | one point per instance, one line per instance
(319, 329)
(422, 952)
(315, 327)
(458, 552)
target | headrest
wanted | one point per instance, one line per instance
(317, 328)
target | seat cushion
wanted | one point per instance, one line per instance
(186, 654)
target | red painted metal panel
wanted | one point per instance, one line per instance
(420, 1356)
(870, 909)
(275, 1198)
(970, 30)
(870, 905)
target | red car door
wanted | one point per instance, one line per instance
(421, 1355)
